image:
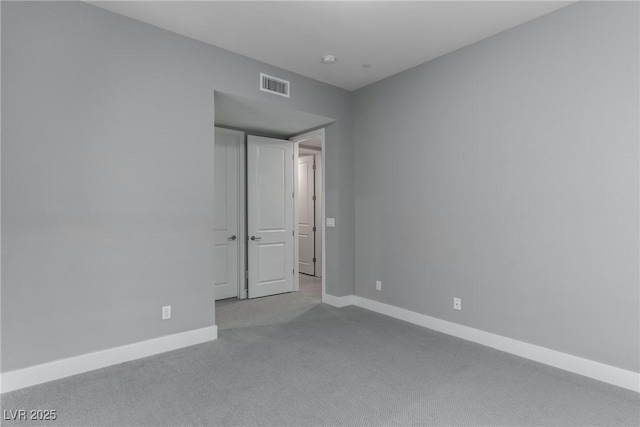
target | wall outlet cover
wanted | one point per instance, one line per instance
(378, 285)
(457, 303)
(166, 312)
(331, 222)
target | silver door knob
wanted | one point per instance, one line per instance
(256, 238)
(232, 238)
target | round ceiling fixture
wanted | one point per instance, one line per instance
(328, 59)
(366, 65)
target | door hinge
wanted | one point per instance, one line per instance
(314, 198)
(293, 195)
(314, 229)
(314, 166)
(314, 260)
(293, 233)
(293, 271)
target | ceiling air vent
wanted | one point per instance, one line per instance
(274, 85)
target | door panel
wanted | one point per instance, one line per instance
(270, 262)
(226, 224)
(271, 206)
(270, 219)
(306, 215)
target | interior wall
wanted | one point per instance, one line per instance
(107, 177)
(506, 174)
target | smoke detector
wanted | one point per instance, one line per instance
(328, 59)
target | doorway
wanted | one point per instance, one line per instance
(269, 297)
(310, 224)
(259, 233)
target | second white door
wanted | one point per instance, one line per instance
(306, 215)
(270, 216)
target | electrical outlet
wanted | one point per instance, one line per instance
(378, 285)
(166, 312)
(331, 222)
(457, 303)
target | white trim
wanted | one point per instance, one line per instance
(588, 368)
(242, 219)
(337, 301)
(45, 372)
(307, 149)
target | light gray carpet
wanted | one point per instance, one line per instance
(330, 366)
(236, 313)
(311, 286)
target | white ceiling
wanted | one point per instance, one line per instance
(392, 36)
(247, 114)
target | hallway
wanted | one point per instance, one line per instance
(311, 286)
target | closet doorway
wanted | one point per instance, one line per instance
(262, 226)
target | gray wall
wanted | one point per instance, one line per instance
(506, 173)
(107, 178)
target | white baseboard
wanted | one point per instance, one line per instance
(45, 372)
(337, 301)
(578, 365)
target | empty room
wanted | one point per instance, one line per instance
(320, 213)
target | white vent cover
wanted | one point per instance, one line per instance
(274, 85)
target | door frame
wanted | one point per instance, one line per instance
(242, 221)
(300, 139)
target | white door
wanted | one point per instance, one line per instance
(306, 215)
(270, 166)
(227, 196)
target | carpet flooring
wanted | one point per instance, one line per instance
(235, 313)
(311, 286)
(316, 365)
